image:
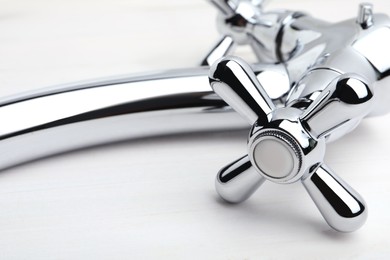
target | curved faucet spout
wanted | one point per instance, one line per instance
(55, 120)
(71, 117)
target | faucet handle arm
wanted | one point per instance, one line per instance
(348, 97)
(235, 82)
(237, 181)
(341, 206)
(226, 7)
(224, 46)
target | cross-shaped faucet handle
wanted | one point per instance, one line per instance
(287, 144)
(236, 23)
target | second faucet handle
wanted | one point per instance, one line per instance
(235, 22)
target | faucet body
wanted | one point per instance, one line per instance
(305, 44)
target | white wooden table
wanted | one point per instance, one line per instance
(154, 198)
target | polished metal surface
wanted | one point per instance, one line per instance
(365, 16)
(247, 97)
(342, 207)
(239, 180)
(338, 74)
(222, 48)
(287, 144)
(313, 83)
(74, 116)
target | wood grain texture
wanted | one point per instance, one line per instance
(154, 198)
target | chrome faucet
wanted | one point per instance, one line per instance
(313, 83)
(334, 71)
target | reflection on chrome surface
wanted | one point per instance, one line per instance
(313, 82)
(337, 76)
